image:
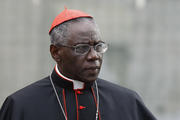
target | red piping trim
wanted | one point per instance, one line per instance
(65, 103)
(77, 106)
(69, 80)
(96, 102)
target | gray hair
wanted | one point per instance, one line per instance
(60, 34)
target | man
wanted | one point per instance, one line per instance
(73, 91)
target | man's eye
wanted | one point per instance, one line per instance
(82, 48)
(99, 48)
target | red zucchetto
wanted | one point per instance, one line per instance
(66, 15)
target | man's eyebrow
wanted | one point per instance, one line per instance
(81, 42)
(87, 42)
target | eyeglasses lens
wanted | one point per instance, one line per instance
(83, 49)
(101, 47)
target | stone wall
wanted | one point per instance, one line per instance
(144, 41)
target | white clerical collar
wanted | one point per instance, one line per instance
(76, 84)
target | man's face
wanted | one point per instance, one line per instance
(86, 67)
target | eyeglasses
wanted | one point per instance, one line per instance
(82, 49)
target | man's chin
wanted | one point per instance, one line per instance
(89, 78)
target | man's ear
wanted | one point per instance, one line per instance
(55, 53)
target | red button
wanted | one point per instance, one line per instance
(81, 107)
(79, 92)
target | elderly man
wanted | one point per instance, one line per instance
(73, 91)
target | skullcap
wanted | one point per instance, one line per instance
(66, 15)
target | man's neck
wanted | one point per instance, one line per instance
(76, 84)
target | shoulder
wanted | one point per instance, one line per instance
(109, 86)
(114, 96)
(32, 91)
(117, 91)
(27, 99)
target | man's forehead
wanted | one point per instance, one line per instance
(84, 27)
(85, 38)
(83, 33)
(88, 35)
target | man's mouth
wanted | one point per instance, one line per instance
(92, 68)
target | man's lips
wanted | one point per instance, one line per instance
(92, 68)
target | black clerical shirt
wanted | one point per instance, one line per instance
(38, 102)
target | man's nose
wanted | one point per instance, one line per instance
(92, 54)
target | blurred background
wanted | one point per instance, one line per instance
(144, 53)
